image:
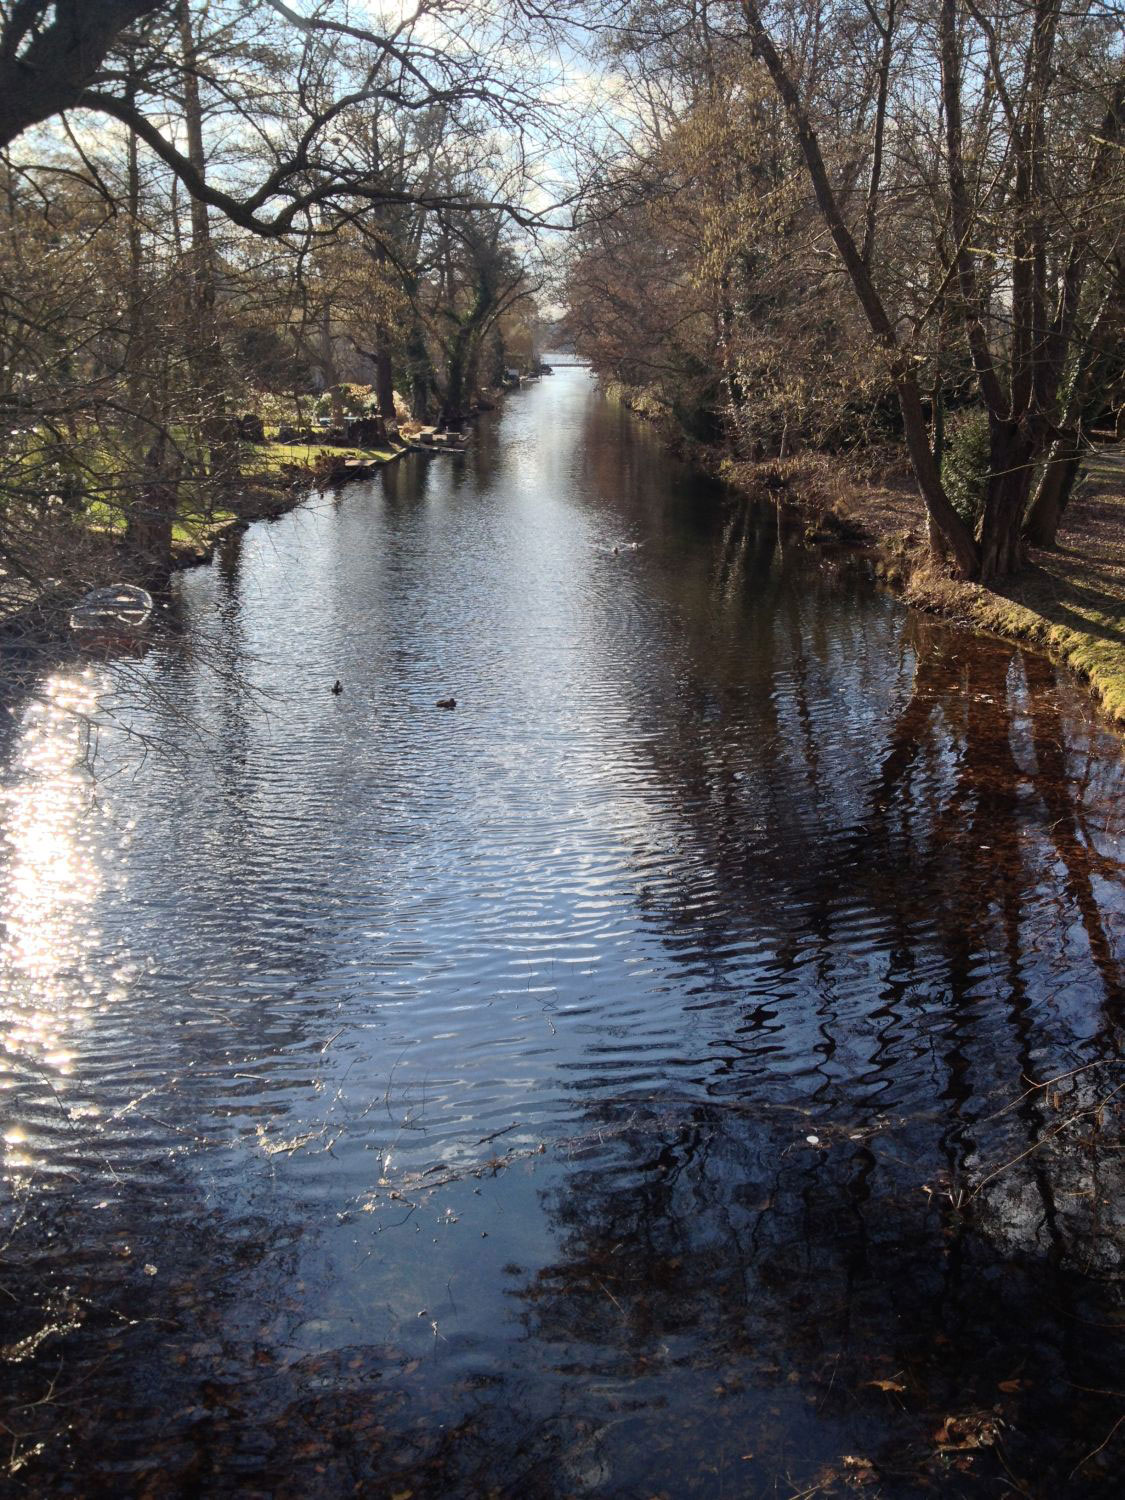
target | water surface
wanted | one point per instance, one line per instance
(685, 1068)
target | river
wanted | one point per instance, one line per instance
(633, 1082)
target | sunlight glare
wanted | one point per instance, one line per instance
(50, 879)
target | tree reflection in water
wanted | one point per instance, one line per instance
(829, 1200)
(777, 1285)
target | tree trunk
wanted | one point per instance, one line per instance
(464, 352)
(453, 403)
(49, 55)
(421, 373)
(217, 428)
(937, 425)
(1008, 487)
(957, 540)
(138, 379)
(472, 372)
(148, 535)
(193, 119)
(1055, 489)
(381, 358)
(384, 376)
(950, 539)
(1064, 457)
(497, 358)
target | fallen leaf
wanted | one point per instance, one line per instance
(861, 1470)
(971, 1431)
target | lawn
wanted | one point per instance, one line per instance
(274, 457)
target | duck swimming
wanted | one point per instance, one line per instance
(446, 703)
(337, 687)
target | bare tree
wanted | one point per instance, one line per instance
(1018, 349)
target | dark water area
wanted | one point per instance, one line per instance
(687, 1068)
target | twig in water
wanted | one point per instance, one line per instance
(1095, 1451)
(1042, 1141)
(610, 1295)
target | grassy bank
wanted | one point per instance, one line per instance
(275, 478)
(1069, 602)
(276, 458)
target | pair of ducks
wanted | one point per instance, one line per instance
(338, 687)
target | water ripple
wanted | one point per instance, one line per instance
(726, 884)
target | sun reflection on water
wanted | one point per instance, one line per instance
(49, 880)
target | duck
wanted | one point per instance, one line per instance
(446, 703)
(337, 688)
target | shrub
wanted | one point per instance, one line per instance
(966, 463)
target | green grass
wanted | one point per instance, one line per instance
(191, 530)
(102, 516)
(1077, 627)
(273, 457)
(266, 471)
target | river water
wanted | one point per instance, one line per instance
(634, 1082)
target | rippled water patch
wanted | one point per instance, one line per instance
(687, 1067)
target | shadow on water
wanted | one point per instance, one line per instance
(688, 1069)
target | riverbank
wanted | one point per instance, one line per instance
(286, 474)
(277, 477)
(1069, 602)
(94, 546)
